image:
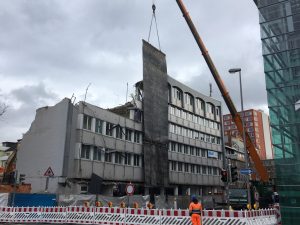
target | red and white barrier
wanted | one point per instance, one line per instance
(128, 216)
(142, 216)
(6, 214)
(54, 215)
(112, 216)
(170, 217)
(80, 214)
(27, 215)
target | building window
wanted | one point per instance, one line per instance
(209, 170)
(215, 171)
(118, 158)
(180, 166)
(191, 150)
(85, 152)
(97, 154)
(87, 122)
(186, 167)
(178, 94)
(127, 159)
(137, 137)
(183, 114)
(179, 148)
(173, 165)
(217, 111)
(177, 112)
(128, 135)
(203, 153)
(197, 151)
(136, 160)
(173, 147)
(109, 129)
(172, 110)
(189, 99)
(119, 132)
(192, 168)
(83, 189)
(203, 169)
(219, 156)
(186, 149)
(98, 126)
(198, 169)
(172, 128)
(108, 155)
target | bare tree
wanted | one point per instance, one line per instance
(3, 108)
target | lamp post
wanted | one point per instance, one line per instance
(239, 70)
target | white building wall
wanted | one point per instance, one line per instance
(43, 146)
(267, 136)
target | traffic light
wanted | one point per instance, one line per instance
(234, 174)
(22, 178)
(224, 175)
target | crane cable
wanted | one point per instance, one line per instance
(154, 16)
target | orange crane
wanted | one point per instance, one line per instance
(251, 151)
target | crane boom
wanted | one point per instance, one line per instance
(235, 115)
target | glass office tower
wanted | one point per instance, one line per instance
(280, 34)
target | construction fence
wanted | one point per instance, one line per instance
(131, 216)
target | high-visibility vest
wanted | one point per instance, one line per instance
(195, 208)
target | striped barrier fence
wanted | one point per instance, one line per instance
(54, 215)
(142, 216)
(111, 216)
(80, 215)
(170, 217)
(27, 215)
(131, 216)
(6, 214)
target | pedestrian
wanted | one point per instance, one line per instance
(195, 210)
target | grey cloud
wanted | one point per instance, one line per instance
(64, 45)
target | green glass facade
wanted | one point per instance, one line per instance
(280, 34)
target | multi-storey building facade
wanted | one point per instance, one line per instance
(167, 140)
(280, 34)
(257, 125)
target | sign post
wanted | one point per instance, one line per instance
(49, 173)
(129, 191)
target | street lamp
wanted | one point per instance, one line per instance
(239, 70)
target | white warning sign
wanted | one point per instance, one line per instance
(49, 172)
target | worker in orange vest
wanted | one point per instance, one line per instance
(195, 210)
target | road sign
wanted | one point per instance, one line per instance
(246, 171)
(49, 172)
(129, 189)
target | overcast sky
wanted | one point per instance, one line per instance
(53, 49)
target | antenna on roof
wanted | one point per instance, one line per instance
(210, 89)
(126, 93)
(86, 90)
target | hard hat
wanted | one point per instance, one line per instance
(194, 197)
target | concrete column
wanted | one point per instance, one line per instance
(188, 191)
(93, 124)
(176, 191)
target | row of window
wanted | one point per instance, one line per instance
(191, 150)
(242, 114)
(189, 100)
(246, 119)
(109, 155)
(186, 132)
(193, 118)
(248, 129)
(110, 129)
(193, 168)
(247, 124)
